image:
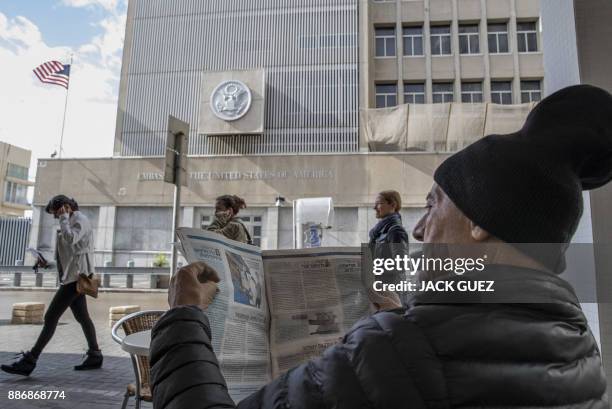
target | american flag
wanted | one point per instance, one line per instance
(53, 72)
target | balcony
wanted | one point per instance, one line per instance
(20, 205)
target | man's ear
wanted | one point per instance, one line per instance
(478, 233)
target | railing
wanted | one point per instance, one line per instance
(111, 277)
(14, 235)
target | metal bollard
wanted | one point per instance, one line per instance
(106, 277)
(39, 279)
(153, 281)
(17, 276)
(129, 279)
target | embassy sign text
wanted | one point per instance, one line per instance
(248, 175)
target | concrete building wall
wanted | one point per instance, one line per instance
(129, 206)
(559, 44)
(428, 69)
(308, 50)
(593, 34)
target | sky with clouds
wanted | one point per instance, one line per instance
(33, 32)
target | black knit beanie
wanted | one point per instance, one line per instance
(526, 187)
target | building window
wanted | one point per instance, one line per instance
(17, 172)
(468, 39)
(498, 38)
(471, 92)
(413, 40)
(527, 37)
(531, 91)
(442, 92)
(253, 225)
(386, 95)
(440, 40)
(142, 228)
(501, 92)
(16, 193)
(385, 41)
(414, 93)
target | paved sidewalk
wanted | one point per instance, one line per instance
(97, 389)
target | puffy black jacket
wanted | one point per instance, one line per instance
(431, 355)
(389, 230)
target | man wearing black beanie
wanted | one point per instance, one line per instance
(502, 192)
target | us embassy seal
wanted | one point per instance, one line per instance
(230, 100)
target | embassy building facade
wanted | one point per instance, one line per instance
(280, 98)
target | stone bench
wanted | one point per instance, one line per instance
(117, 312)
(28, 313)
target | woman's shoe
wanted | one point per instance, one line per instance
(24, 366)
(93, 360)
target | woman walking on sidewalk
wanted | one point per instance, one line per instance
(74, 256)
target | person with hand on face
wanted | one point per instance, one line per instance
(524, 187)
(74, 257)
(226, 222)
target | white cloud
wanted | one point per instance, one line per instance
(32, 112)
(107, 4)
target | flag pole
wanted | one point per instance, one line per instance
(65, 108)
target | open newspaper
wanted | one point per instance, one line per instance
(275, 309)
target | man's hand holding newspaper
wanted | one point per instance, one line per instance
(194, 284)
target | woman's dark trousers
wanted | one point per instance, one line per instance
(66, 296)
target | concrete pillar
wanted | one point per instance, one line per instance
(188, 218)
(270, 230)
(456, 53)
(512, 41)
(399, 51)
(427, 53)
(484, 49)
(105, 233)
(34, 233)
(363, 226)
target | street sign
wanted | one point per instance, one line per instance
(175, 172)
(176, 151)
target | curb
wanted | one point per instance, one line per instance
(102, 290)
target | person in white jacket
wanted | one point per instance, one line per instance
(74, 256)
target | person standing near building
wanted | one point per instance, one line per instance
(74, 256)
(388, 238)
(226, 223)
(389, 229)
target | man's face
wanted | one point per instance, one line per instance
(382, 207)
(443, 223)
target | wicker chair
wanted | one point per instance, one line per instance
(137, 322)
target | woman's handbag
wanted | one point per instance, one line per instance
(88, 285)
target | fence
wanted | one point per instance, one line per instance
(111, 277)
(14, 235)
